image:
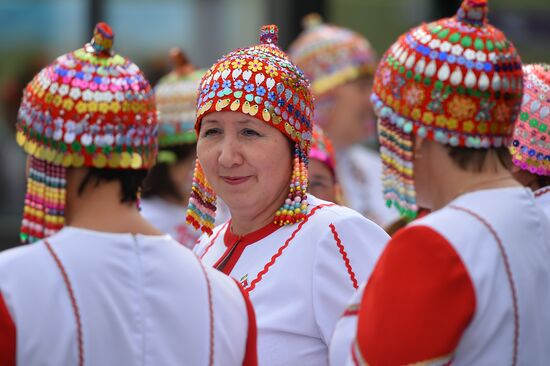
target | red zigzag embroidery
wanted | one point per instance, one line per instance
(344, 256)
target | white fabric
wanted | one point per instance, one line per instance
(170, 219)
(359, 171)
(302, 295)
(525, 234)
(542, 197)
(142, 300)
(344, 333)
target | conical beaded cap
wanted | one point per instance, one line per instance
(90, 107)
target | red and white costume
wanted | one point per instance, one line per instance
(299, 277)
(95, 298)
(465, 285)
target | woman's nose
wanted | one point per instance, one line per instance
(230, 154)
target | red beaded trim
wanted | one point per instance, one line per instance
(508, 273)
(74, 304)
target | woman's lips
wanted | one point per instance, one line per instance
(235, 180)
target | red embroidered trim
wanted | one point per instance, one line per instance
(351, 310)
(76, 311)
(541, 192)
(344, 256)
(508, 273)
(211, 312)
(251, 351)
(282, 248)
(213, 240)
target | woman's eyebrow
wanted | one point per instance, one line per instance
(209, 122)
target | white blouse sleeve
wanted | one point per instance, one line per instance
(345, 258)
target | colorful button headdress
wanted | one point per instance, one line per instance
(259, 81)
(530, 146)
(90, 108)
(331, 55)
(322, 150)
(176, 97)
(457, 81)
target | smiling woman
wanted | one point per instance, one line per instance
(248, 163)
(290, 251)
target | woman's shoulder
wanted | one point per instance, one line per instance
(320, 210)
(336, 217)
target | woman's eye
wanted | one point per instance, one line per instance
(317, 184)
(211, 132)
(250, 132)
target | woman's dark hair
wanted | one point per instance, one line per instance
(470, 159)
(130, 181)
(158, 182)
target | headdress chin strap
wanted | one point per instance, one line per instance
(396, 152)
(44, 212)
(295, 207)
(201, 210)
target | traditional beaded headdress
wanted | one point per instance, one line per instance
(90, 108)
(259, 81)
(331, 55)
(322, 150)
(457, 81)
(530, 146)
(176, 97)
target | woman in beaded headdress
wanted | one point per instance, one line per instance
(468, 283)
(323, 182)
(530, 147)
(340, 64)
(100, 285)
(296, 256)
(166, 188)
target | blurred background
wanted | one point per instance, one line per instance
(34, 32)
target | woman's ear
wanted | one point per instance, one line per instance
(417, 147)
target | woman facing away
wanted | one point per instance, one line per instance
(323, 181)
(99, 285)
(299, 258)
(468, 283)
(530, 147)
(340, 64)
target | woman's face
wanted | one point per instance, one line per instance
(350, 113)
(246, 161)
(321, 181)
